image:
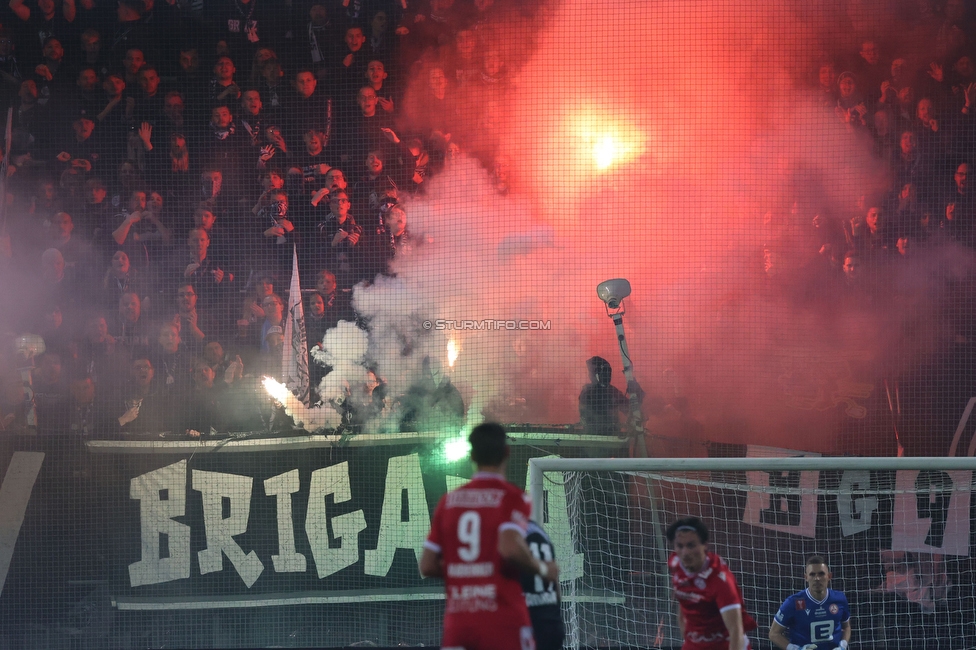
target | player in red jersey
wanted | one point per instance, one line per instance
(712, 615)
(477, 544)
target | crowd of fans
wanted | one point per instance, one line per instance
(166, 160)
(167, 157)
(914, 111)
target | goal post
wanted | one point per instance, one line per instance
(898, 534)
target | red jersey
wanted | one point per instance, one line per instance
(482, 590)
(703, 597)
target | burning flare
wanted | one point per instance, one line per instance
(310, 419)
(276, 389)
(605, 151)
(453, 350)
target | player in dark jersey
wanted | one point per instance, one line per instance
(712, 615)
(817, 617)
(477, 544)
(542, 595)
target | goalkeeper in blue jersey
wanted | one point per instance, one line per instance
(817, 618)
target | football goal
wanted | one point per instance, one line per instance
(896, 532)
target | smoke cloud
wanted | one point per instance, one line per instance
(719, 158)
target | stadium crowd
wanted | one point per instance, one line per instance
(168, 156)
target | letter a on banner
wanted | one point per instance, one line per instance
(782, 501)
(932, 512)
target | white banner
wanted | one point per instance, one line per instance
(786, 501)
(931, 512)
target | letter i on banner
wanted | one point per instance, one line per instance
(932, 512)
(782, 501)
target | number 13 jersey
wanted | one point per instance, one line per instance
(481, 587)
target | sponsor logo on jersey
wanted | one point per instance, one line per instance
(488, 498)
(699, 583)
(471, 598)
(800, 604)
(688, 595)
(834, 608)
(698, 637)
(472, 570)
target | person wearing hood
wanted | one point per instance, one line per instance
(602, 406)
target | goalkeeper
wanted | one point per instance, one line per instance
(815, 618)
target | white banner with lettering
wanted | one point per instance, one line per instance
(931, 512)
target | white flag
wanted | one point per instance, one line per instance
(294, 352)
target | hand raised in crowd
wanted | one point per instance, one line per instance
(276, 138)
(280, 228)
(936, 72)
(150, 215)
(970, 93)
(267, 153)
(386, 103)
(108, 108)
(219, 275)
(347, 61)
(422, 161)
(235, 370)
(191, 268)
(351, 237)
(232, 91)
(44, 72)
(390, 135)
(145, 134)
(64, 156)
(190, 318)
(886, 88)
(318, 195)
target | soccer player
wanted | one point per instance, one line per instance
(711, 613)
(817, 617)
(477, 544)
(542, 595)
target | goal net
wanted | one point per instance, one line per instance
(897, 533)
